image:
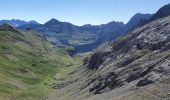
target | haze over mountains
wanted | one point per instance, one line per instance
(113, 61)
(16, 22)
(83, 38)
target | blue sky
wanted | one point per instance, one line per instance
(78, 12)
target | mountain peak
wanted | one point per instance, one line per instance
(52, 21)
(136, 19)
(33, 22)
(162, 12)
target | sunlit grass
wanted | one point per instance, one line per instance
(28, 65)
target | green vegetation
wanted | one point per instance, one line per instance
(28, 65)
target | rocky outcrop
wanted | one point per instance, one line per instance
(148, 79)
(134, 59)
(97, 59)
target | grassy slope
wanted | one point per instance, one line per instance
(28, 64)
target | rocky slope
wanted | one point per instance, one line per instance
(133, 67)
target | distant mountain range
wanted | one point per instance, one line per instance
(16, 22)
(83, 38)
(87, 37)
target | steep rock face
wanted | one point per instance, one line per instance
(136, 57)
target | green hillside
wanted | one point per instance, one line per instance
(28, 64)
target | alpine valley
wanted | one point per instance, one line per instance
(62, 61)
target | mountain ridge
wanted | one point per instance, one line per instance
(83, 38)
(64, 33)
(162, 12)
(17, 22)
